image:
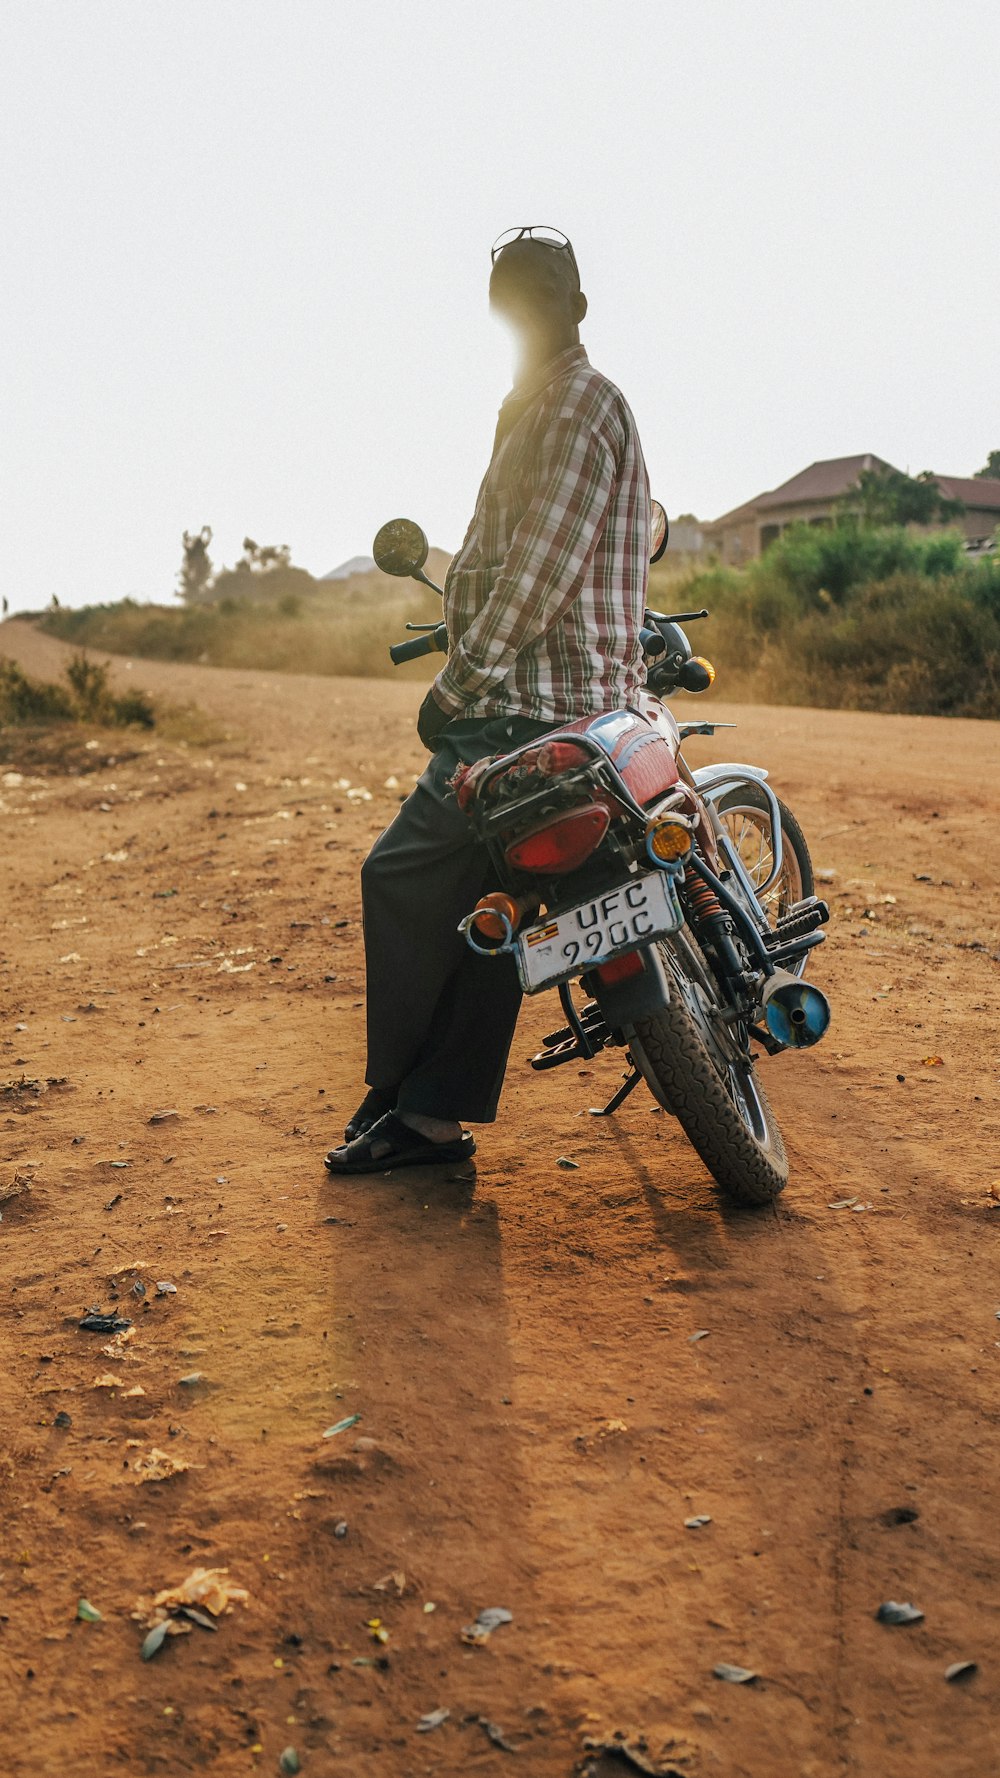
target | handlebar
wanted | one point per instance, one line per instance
(675, 617)
(435, 642)
(654, 643)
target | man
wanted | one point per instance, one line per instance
(543, 604)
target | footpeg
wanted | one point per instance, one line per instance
(798, 921)
(569, 1045)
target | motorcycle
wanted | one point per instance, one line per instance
(671, 909)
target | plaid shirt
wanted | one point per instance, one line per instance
(545, 599)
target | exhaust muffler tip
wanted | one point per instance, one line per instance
(796, 1014)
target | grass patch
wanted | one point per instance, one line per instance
(845, 616)
(332, 635)
(48, 723)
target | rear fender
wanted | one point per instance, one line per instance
(640, 997)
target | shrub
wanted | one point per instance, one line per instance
(87, 697)
(349, 636)
(89, 680)
(846, 617)
(31, 700)
(808, 560)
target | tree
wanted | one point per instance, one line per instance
(263, 576)
(991, 469)
(263, 558)
(888, 497)
(195, 577)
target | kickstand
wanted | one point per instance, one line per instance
(628, 1085)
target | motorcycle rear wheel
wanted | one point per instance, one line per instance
(709, 1085)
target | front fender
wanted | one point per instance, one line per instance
(714, 782)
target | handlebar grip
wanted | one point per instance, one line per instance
(435, 642)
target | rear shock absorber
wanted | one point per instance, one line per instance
(702, 899)
(711, 923)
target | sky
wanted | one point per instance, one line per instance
(245, 256)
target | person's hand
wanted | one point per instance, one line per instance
(431, 719)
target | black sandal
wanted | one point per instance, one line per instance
(407, 1148)
(376, 1102)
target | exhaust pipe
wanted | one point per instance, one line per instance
(795, 1013)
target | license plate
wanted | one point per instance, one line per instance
(639, 910)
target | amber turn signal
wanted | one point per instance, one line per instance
(490, 913)
(668, 840)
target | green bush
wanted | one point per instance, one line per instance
(907, 645)
(809, 560)
(850, 617)
(31, 700)
(86, 698)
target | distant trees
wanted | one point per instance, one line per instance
(888, 497)
(991, 468)
(261, 558)
(195, 577)
(263, 575)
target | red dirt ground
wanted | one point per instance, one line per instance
(180, 932)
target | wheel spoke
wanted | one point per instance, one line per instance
(750, 832)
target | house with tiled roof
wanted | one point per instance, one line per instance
(812, 498)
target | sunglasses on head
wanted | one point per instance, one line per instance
(545, 237)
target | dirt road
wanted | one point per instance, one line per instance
(180, 935)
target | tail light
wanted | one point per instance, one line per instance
(560, 845)
(620, 969)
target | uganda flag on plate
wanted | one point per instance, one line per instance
(541, 933)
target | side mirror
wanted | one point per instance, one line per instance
(659, 531)
(400, 548)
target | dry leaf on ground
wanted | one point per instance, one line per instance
(158, 1466)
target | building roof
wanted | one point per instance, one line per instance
(825, 480)
(833, 477)
(972, 490)
(746, 511)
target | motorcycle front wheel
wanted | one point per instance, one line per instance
(696, 1069)
(746, 815)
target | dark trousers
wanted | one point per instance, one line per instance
(440, 1018)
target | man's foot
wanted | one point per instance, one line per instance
(436, 1129)
(392, 1143)
(374, 1105)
